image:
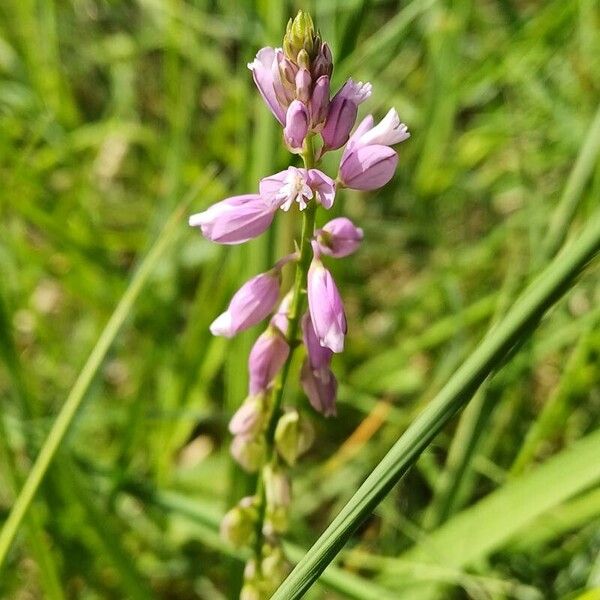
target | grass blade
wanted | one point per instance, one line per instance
(69, 409)
(518, 324)
(489, 524)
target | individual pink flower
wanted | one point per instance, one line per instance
(343, 110)
(326, 308)
(267, 357)
(234, 220)
(280, 319)
(249, 305)
(265, 71)
(318, 356)
(319, 103)
(249, 417)
(320, 386)
(368, 162)
(297, 185)
(297, 122)
(303, 83)
(339, 237)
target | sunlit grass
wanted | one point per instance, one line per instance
(110, 113)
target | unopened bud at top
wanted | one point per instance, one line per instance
(300, 35)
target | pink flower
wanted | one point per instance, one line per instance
(368, 162)
(249, 417)
(339, 237)
(280, 319)
(319, 102)
(265, 71)
(342, 113)
(296, 126)
(318, 356)
(281, 83)
(267, 357)
(297, 185)
(234, 220)
(320, 386)
(326, 308)
(249, 305)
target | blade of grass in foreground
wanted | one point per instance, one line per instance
(518, 324)
(486, 526)
(69, 409)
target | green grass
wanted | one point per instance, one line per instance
(114, 396)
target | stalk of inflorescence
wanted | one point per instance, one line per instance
(268, 436)
(296, 307)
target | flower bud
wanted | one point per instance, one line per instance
(320, 386)
(339, 237)
(293, 436)
(343, 110)
(303, 85)
(303, 60)
(250, 591)
(274, 566)
(319, 102)
(278, 491)
(249, 305)
(280, 319)
(323, 63)
(249, 452)
(267, 357)
(296, 126)
(238, 524)
(299, 35)
(249, 417)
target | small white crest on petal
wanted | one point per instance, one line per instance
(387, 132)
(222, 325)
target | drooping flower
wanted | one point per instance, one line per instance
(317, 379)
(248, 418)
(268, 355)
(320, 386)
(339, 237)
(297, 185)
(326, 308)
(234, 220)
(343, 110)
(280, 319)
(318, 356)
(368, 162)
(249, 305)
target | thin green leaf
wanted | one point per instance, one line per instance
(527, 310)
(69, 409)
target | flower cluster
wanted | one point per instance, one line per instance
(295, 83)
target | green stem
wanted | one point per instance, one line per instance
(295, 312)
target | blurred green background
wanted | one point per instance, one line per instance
(113, 114)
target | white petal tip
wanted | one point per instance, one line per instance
(221, 326)
(196, 220)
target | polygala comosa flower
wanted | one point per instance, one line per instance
(295, 82)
